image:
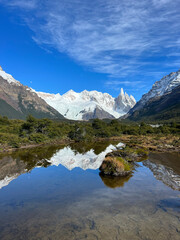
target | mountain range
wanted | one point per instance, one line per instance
(89, 104)
(17, 101)
(162, 102)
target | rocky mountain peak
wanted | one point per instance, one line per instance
(124, 102)
(122, 92)
(90, 104)
(159, 88)
(17, 100)
(73, 105)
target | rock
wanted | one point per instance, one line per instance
(121, 162)
(115, 166)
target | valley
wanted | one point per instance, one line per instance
(89, 120)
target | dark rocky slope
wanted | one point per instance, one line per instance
(17, 101)
(166, 107)
(97, 113)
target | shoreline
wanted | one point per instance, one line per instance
(34, 145)
(153, 143)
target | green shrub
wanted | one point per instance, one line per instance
(15, 142)
(38, 138)
(17, 132)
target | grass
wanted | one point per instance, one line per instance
(127, 166)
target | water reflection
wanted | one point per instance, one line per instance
(55, 203)
(114, 182)
(23, 161)
(71, 158)
(166, 168)
(86, 156)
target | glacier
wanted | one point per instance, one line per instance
(74, 106)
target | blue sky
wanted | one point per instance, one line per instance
(103, 45)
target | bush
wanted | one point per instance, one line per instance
(15, 142)
(38, 138)
(17, 132)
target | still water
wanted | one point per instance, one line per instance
(58, 193)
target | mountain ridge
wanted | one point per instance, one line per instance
(86, 104)
(159, 88)
(162, 102)
(18, 101)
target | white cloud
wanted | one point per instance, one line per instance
(118, 37)
(126, 83)
(28, 4)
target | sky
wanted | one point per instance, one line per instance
(103, 45)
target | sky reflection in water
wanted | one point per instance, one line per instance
(52, 202)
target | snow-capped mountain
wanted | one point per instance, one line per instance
(17, 100)
(76, 106)
(159, 88)
(8, 77)
(89, 104)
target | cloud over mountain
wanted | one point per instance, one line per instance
(114, 37)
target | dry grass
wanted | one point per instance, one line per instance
(159, 143)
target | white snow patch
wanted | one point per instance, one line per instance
(74, 105)
(8, 77)
(159, 88)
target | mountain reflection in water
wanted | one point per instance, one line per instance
(49, 202)
(166, 168)
(84, 156)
